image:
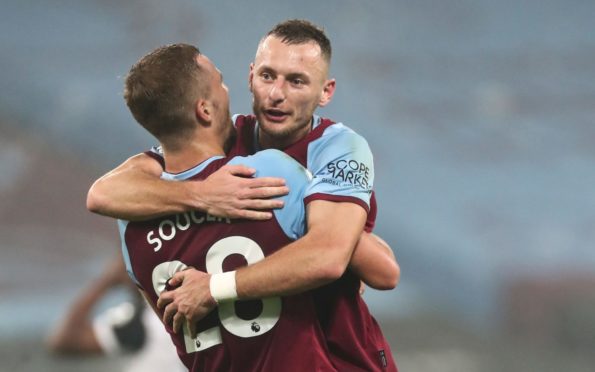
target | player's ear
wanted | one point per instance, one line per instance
(328, 90)
(250, 77)
(203, 111)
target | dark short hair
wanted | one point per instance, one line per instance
(299, 31)
(162, 88)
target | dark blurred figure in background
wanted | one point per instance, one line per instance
(129, 328)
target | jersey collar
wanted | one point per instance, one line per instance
(190, 172)
(316, 120)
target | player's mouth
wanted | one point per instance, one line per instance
(275, 115)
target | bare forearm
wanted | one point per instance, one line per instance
(296, 268)
(374, 262)
(135, 191)
(74, 334)
(137, 196)
(318, 258)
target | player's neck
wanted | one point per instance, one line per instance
(181, 158)
(281, 142)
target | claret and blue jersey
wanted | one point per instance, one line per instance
(339, 159)
(341, 165)
(270, 334)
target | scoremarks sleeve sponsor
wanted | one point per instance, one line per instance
(342, 166)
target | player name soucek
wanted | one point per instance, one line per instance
(348, 171)
(168, 228)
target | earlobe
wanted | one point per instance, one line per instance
(327, 92)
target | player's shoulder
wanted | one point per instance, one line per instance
(339, 135)
(271, 162)
(339, 130)
(265, 157)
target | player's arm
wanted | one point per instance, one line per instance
(319, 257)
(135, 191)
(75, 333)
(374, 262)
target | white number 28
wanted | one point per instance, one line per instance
(217, 253)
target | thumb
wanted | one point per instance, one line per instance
(176, 280)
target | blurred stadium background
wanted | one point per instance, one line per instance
(481, 115)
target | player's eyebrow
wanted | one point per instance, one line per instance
(298, 75)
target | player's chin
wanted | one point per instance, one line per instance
(277, 130)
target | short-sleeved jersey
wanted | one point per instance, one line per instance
(272, 334)
(341, 163)
(339, 159)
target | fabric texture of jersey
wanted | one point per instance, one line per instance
(273, 334)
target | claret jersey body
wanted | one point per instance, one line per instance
(272, 334)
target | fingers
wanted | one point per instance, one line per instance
(266, 182)
(262, 192)
(239, 170)
(176, 280)
(164, 299)
(256, 206)
(262, 204)
(252, 215)
(169, 314)
(178, 322)
(234, 194)
(244, 171)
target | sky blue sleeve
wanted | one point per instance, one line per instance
(342, 166)
(274, 163)
(122, 225)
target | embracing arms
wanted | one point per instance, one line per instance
(375, 263)
(319, 257)
(134, 191)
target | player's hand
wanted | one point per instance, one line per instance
(231, 192)
(190, 301)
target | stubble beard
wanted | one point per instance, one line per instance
(281, 135)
